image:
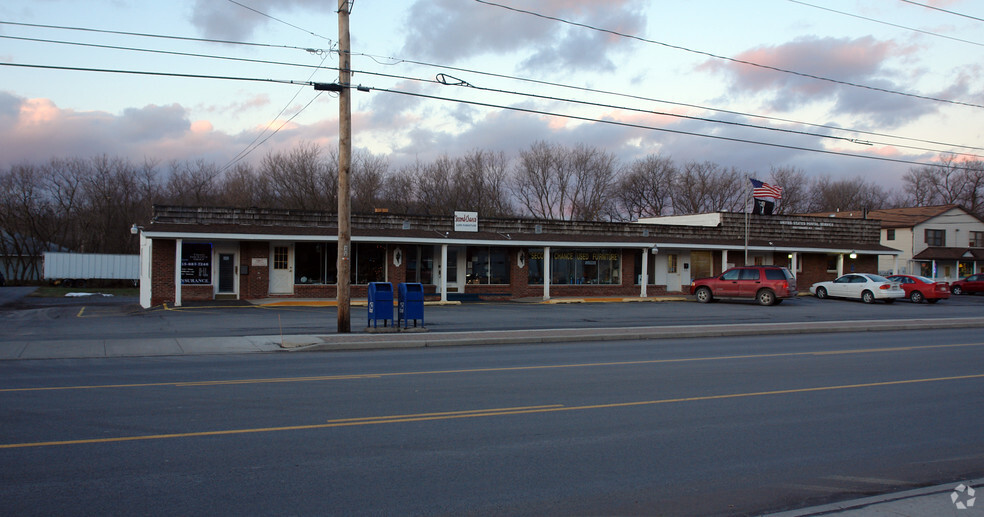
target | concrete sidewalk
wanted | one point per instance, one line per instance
(955, 499)
(389, 337)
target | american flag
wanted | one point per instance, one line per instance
(761, 189)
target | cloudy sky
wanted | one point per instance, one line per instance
(752, 84)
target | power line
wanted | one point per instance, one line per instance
(590, 90)
(162, 36)
(166, 52)
(673, 103)
(317, 67)
(943, 10)
(654, 128)
(261, 13)
(887, 23)
(160, 74)
(731, 59)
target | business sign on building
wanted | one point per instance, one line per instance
(466, 221)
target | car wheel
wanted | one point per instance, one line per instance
(868, 297)
(821, 293)
(916, 297)
(956, 290)
(703, 294)
(766, 297)
(933, 300)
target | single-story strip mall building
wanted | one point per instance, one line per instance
(206, 253)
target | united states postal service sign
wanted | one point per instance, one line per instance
(466, 221)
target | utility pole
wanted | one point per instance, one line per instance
(344, 168)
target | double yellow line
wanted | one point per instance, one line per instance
(477, 413)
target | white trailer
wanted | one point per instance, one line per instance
(74, 269)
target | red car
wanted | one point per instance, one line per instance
(769, 285)
(919, 288)
(970, 285)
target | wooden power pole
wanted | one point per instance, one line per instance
(344, 168)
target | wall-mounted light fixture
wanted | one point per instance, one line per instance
(853, 255)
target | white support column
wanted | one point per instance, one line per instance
(146, 270)
(444, 272)
(724, 260)
(793, 263)
(645, 272)
(546, 273)
(840, 264)
(177, 272)
(895, 265)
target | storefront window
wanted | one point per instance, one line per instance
(314, 263)
(420, 264)
(487, 266)
(576, 266)
(369, 262)
(196, 263)
(965, 269)
(534, 266)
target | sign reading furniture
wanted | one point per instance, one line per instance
(466, 221)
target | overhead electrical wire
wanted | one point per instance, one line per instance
(886, 23)
(422, 63)
(261, 13)
(673, 103)
(159, 74)
(943, 10)
(161, 36)
(654, 128)
(731, 59)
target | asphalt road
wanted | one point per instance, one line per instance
(671, 427)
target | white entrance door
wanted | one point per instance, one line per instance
(282, 269)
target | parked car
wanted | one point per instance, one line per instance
(970, 285)
(769, 285)
(919, 288)
(866, 287)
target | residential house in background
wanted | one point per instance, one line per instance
(943, 242)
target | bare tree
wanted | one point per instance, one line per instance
(706, 187)
(302, 178)
(795, 189)
(541, 181)
(368, 177)
(847, 194)
(645, 189)
(593, 174)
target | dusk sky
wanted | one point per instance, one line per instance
(900, 75)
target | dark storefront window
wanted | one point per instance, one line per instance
(314, 263)
(196, 263)
(487, 266)
(369, 263)
(576, 266)
(317, 263)
(651, 266)
(420, 264)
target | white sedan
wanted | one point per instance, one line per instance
(859, 286)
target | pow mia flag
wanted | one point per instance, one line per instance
(763, 207)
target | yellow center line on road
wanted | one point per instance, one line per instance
(498, 369)
(451, 415)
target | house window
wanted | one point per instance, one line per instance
(890, 234)
(977, 239)
(936, 237)
(671, 263)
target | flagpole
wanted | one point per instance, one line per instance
(747, 209)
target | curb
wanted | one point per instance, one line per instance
(319, 343)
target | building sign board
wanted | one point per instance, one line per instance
(466, 221)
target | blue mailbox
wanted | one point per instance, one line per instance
(411, 304)
(380, 302)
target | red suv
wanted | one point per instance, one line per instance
(769, 285)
